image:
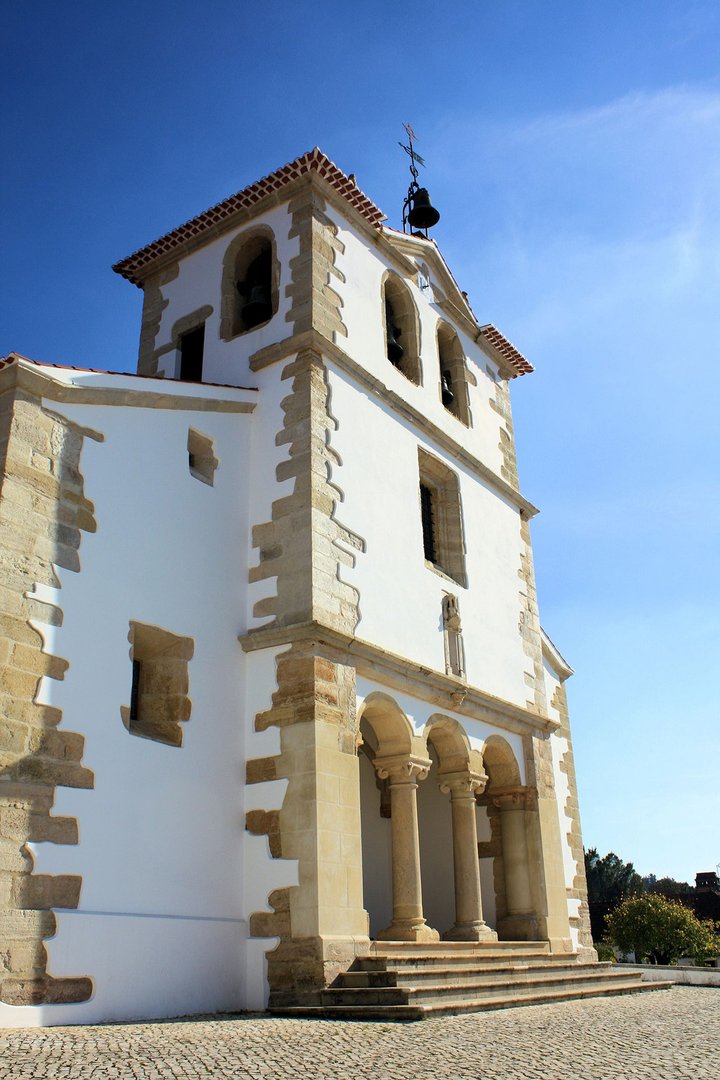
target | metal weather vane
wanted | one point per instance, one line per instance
(417, 209)
(414, 156)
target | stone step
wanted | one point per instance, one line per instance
(457, 975)
(374, 962)
(475, 948)
(454, 1008)
(431, 994)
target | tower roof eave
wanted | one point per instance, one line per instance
(315, 161)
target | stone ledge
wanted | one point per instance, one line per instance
(399, 672)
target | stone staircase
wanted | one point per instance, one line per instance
(398, 981)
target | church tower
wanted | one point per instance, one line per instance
(282, 696)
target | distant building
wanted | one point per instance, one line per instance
(273, 668)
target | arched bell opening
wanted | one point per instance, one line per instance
(250, 286)
(402, 328)
(503, 829)
(453, 373)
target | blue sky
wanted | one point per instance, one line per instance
(572, 149)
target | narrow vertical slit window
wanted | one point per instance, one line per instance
(192, 347)
(428, 522)
(134, 691)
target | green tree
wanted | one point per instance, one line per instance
(610, 879)
(667, 886)
(660, 930)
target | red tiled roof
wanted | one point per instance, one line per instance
(12, 358)
(314, 161)
(506, 349)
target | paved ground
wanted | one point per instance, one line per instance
(666, 1035)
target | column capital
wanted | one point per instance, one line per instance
(516, 797)
(465, 783)
(402, 768)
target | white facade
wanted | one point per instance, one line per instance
(170, 874)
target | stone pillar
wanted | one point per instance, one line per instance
(469, 922)
(520, 922)
(408, 922)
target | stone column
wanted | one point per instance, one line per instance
(469, 922)
(520, 921)
(408, 922)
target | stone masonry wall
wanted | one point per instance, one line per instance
(304, 545)
(315, 304)
(500, 403)
(320, 922)
(43, 509)
(578, 891)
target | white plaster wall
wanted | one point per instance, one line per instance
(199, 282)
(161, 925)
(363, 266)
(400, 596)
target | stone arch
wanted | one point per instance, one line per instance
(500, 763)
(400, 311)
(509, 808)
(385, 733)
(451, 744)
(453, 373)
(385, 726)
(257, 243)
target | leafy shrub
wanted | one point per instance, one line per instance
(660, 930)
(605, 951)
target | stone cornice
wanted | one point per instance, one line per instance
(311, 339)
(555, 658)
(399, 673)
(41, 384)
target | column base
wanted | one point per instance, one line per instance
(410, 930)
(520, 928)
(470, 932)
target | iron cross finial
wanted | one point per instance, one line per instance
(411, 151)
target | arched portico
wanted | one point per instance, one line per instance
(460, 775)
(401, 760)
(507, 802)
(397, 762)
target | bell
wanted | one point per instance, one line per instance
(258, 309)
(394, 348)
(446, 389)
(423, 214)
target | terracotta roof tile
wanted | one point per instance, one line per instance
(506, 349)
(314, 161)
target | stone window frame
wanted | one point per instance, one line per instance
(448, 531)
(159, 701)
(451, 358)
(239, 253)
(192, 321)
(202, 462)
(394, 291)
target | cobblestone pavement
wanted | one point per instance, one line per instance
(666, 1035)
